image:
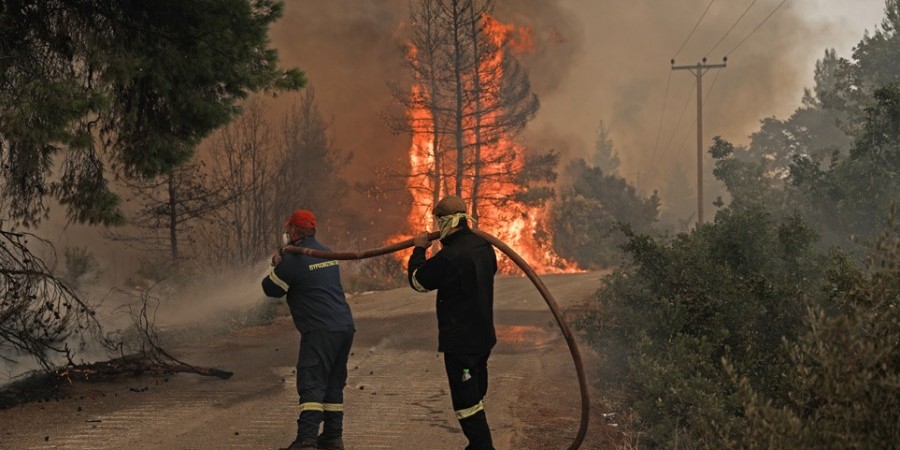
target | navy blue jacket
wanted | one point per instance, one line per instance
(463, 274)
(313, 287)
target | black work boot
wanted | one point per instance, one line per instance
(301, 445)
(477, 431)
(327, 443)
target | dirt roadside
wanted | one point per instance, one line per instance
(396, 396)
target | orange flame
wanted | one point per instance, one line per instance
(519, 38)
(513, 222)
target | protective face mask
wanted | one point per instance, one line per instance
(285, 239)
(447, 222)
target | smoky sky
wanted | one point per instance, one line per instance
(593, 61)
(350, 51)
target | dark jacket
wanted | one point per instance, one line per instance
(313, 287)
(463, 274)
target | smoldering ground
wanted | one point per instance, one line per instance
(176, 312)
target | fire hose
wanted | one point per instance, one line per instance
(509, 252)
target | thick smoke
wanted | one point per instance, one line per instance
(620, 77)
(350, 52)
(593, 61)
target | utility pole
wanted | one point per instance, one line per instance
(698, 71)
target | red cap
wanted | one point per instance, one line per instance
(302, 218)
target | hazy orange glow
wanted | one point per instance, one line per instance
(514, 223)
(524, 336)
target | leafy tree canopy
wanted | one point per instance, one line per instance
(129, 85)
(605, 157)
(854, 195)
(589, 212)
(851, 196)
(875, 64)
(834, 108)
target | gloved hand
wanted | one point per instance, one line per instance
(421, 240)
(276, 258)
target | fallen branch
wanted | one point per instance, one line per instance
(148, 346)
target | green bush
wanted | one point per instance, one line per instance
(844, 371)
(739, 335)
(731, 290)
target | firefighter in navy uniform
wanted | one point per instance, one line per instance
(463, 274)
(321, 314)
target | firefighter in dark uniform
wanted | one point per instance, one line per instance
(321, 314)
(463, 274)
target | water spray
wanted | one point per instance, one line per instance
(532, 275)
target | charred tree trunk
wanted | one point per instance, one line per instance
(432, 42)
(475, 37)
(459, 80)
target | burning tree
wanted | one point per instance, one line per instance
(469, 100)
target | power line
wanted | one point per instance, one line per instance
(757, 27)
(709, 91)
(687, 134)
(668, 79)
(732, 27)
(687, 101)
(693, 29)
(698, 71)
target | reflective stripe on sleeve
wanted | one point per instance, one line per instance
(333, 407)
(469, 412)
(278, 281)
(322, 265)
(312, 406)
(416, 285)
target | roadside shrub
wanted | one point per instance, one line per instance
(730, 290)
(844, 370)
(738, 335)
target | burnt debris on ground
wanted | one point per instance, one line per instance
(41, 386)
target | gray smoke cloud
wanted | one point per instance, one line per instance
(593, 61)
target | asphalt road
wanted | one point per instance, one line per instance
(396, 397)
